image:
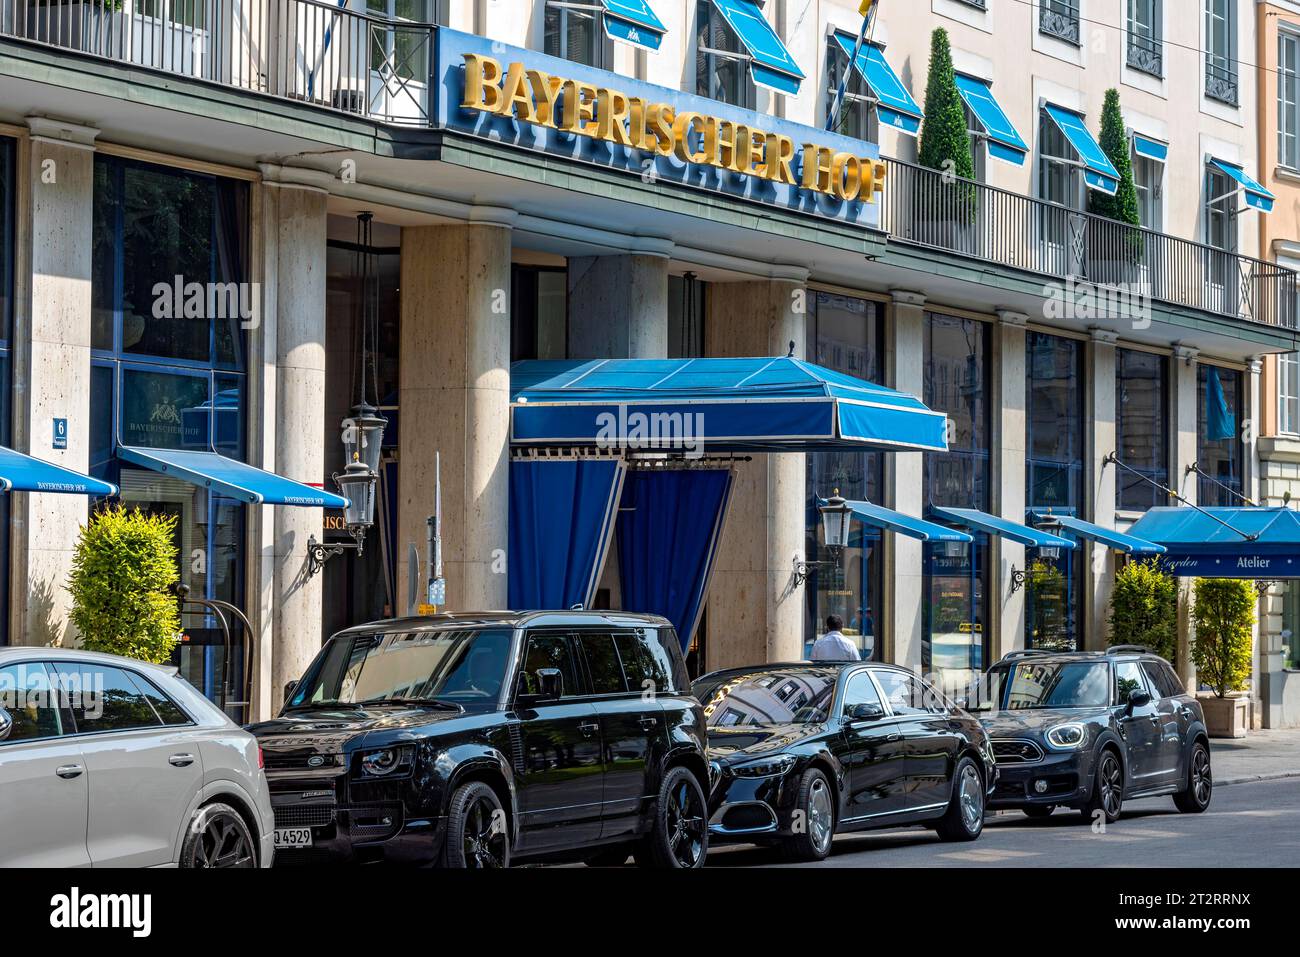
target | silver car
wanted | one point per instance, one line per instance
(111, 762)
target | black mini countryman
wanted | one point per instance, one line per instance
(1089, 730)
(473, 740)
(801, 751)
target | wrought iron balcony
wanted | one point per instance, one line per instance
(1221, 81)
(1060, 19)
(1146, 54)
(927, 208)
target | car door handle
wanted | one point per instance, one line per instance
(896, 736)
(181, 760)
(649, 723)
(69, 770)
(588, 728)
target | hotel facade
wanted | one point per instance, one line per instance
(555, 182)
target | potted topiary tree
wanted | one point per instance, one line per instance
(945, 206)
(1223, 613)
(123, 572)
(1144, 608)
(1115, 251)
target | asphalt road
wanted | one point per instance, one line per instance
(1247, 825)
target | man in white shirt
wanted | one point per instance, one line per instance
(833, 646)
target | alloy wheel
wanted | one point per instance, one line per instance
(1202, 781)
(685, 820)
(971, 794)
(224, 842)
(821, 818)
(484, 843)
(1110, 781)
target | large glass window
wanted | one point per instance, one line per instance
(539, 302)
(170, 303)
(1141, 428)
(1054, 412)
(1288, 389)
(856, 116)
(844, 333)
(721, 61)
(1148, 177)
(1145, 49)
(1060, 182)
(1219, 448)
(955, 607)
(575, 31)
(1291, 625)
(1221, 50)
(1288, 99)
(8, 189)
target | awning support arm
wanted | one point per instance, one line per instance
(1113, 459)
(1196, 467)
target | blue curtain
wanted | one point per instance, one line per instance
(668, 532)
(1220, 423)
(561, 521)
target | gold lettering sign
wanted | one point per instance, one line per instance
(572, 106)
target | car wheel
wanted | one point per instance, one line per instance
(964, 819)
(1107, 789)
(1039, 811)
(477, 837)
(816, 804)
(218, 837)
(680, 837)
(609, 857)
(1200, 782)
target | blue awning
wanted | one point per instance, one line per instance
(1257, 197)
(712, 405)
(230, 478)
(1099, 172)
(633, 21)
(995, 525)
(917, 528)
(1241, 542)
(1106, 536)
(896, 106)
(771, 64)
(1151, 149)
(1005, 143)
(23, 473)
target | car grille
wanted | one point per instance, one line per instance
(300, 760)
(1016, 752)
(307, 815)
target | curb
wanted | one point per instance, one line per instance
(1252, 778)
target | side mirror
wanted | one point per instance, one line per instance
(6, 724)
(550, 684)
(866, 712)
(288, 689)
(1139, 699)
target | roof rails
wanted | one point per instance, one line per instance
(1026, 653)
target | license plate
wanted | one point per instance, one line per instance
(293, 837)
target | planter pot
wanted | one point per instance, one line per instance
(1226, 717)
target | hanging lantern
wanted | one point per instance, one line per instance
(357, 484)
(835, 522)
(363, 436)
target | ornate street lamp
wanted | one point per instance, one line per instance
(836, 519)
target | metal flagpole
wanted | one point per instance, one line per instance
(868, 10)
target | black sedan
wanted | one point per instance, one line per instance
(801, 751)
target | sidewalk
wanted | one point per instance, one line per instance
(1260, 756)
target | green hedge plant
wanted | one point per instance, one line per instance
(1223, 612)
(1144, 608)
(123, 573)
(945, 141)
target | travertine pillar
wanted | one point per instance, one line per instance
(755, 609)
(1184, 422)
(1008, 480)
(1101, 483)
(52, 372)
(454, 394)
(905, 487)
(618, 307)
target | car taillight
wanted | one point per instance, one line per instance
(261, 762)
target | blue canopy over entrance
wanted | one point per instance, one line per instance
(230, 478)
(1241, 542)
(712, 405)
(23, 473)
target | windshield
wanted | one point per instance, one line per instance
(800, 696)
(1057, 684)
(463, 668)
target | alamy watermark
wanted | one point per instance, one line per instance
(179, 299)
(1080, 300)
(31, 688)
(651, 432)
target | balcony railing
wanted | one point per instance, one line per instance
(1131, 265)
(1146, 54)
(304, 50)
(1060, 19)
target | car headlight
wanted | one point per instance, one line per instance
(1067, 737)
(377, 764)
(765, 767)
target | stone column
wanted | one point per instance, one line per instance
(1184, 421)
(618, 307)
(299, 233)
(1008, 479)
(1101, 483)
(52, 371)
(756, 611)
(905, 488)
(454, 393)
(1263, 659)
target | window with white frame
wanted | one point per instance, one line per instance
(1060, 178)
(575, 30)
(1288, 99)
(1148, 176)
(856, 118)
(1145, 43)
(721, 61)
(979, 141)
(1221, 50)
(1288, 393)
